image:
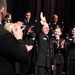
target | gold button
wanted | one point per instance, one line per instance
(47, 54)
(51, 46)
(48, 50)
(51, 50)
(59, 54)
(59, 50)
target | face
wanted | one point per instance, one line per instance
(3, 11)
(55, 18)
(9, 19)
(45, 29)
(73, 31)
(28, 16)
(57, 32)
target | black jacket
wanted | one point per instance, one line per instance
(71, 48)
(58, 52)
(45, 51)
(11, 50)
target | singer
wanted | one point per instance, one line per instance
(72, 53)
(59, 45)
(45, 52)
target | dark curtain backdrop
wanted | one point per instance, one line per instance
(49, 7)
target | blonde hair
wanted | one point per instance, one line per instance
(9, 26)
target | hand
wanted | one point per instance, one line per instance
(58, 44)
(43, 21)
(30, 29)
(43, 18)
(52, 67)
(41, 15)
(29, 47)
(62, 43)
(17, 30)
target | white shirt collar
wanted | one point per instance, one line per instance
(58, 38)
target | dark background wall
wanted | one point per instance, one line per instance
(61, 7)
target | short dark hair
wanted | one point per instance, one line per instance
(27, 12)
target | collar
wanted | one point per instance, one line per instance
(57, 38)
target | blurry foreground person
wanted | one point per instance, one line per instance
(45, 58)
(12, 47)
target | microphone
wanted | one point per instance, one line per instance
(23, 26)
(33, 36)
(67, 36)
(35, 20)
(62, 22)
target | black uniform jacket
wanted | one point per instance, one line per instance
(45, 51)
(71, 48)
(58, 52)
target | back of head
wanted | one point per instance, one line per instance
(3, 8)
(2, 4)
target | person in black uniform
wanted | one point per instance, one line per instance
(8, 18)
(29, 25)
(72, 52)
(59, 44)
(27, 18)
(28, 38)
(45, 52)
(12, 48)
(54, 23)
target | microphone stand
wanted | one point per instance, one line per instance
(67, 39)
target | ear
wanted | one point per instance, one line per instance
(60, 33)
(2, 9)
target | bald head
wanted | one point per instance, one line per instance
(55, 18)
(55, 15)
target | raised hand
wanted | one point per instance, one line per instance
(62, 43)
(41, 16)
(17, 30)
